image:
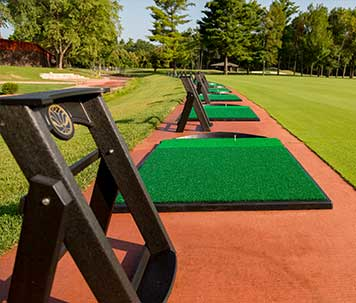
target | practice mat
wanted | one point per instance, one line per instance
(219, 90)
(221, 97)
(226, 174)
(227, 113)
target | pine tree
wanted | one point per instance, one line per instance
(274, 29)
(318, 37)
(228, 27)
(168, 15)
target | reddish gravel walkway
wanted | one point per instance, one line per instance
(112, 82)
(276, 256)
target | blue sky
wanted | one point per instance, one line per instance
(136, 20)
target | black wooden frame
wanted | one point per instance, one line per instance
(192, 101)
(56, 215)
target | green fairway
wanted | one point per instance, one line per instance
(137, 110)
(226, 170)
(227, 113)
(321, 112)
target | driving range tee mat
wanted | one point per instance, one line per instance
(227, 113)
(227, 174)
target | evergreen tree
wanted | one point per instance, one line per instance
(297, 42)
(228, 27)
(349, 53)
(168, 15)
(338, 22)
(275, 22)
(289, 8)
(318, 37)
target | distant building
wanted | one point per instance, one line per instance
(24, 54)
(230, 66)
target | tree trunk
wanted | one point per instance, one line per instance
(311, 69)
(338, 66)
(174, 67)
(226, 62)
(60, 63)
(278, 66)
(329, 72)
(352, 67)
(344, 71)
(264, 67)
(295, 65)
(322, 71)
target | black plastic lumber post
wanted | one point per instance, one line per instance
(192, 101)
(55, 210)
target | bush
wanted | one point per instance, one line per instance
(9, 88)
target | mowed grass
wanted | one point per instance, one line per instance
(31, 88)
(28, 73)
(137, 110)
(319, 111)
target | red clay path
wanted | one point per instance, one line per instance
(264, 256)
(111, 82)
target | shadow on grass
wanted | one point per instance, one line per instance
(11, 209)
(153, 120)
(125, 121)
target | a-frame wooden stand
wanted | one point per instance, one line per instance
(56, 215)
(192, 101)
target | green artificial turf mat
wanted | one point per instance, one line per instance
(211, 84)
(226, 170)
(219, 90)
(214, 84)
(221, 97)
(217, 112)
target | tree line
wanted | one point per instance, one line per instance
(86, 33)
(317, 41)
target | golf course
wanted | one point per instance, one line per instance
(319, 111)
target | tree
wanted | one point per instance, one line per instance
(228, 27)
(255, 36)
(275, 22)
(339, 25)
(4, 14)
(87, 30)
(190, 49)
(318, 37)
(168, 15)
(297, 42)
(349, 51)
(289, 8)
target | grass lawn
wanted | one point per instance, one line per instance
(31, 88)
(137, 110)
(28, 73)
(320, 112)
